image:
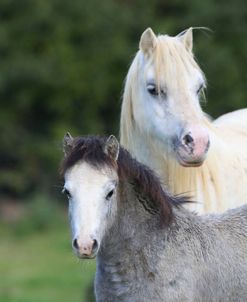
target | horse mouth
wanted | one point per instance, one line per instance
(187, 155)
(187, 163)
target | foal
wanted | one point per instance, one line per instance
(148, 247)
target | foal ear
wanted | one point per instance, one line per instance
(147, 41)
(67, 143)
(186, 37)
(112, 147)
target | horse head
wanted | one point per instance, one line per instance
(162, 96)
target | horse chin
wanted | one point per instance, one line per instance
(190, 163)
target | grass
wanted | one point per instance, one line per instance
(40, 266)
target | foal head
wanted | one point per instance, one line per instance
(91, 179)
(161, 97)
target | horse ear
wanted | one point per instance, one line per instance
(67, 143)
(112, 147)
(147, 41)
(186, 37)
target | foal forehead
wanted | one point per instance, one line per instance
(84, 173)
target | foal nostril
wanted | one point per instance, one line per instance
(75, 244)
(188, 139)
(95, 246)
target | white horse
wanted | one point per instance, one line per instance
(148, 247)
(163, 126)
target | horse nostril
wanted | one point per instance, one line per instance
(75, 244)
(95, 246)
(188, 139)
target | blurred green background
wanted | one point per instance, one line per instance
(62, 67)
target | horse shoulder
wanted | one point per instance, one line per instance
(233, 120)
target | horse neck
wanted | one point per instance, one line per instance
(201, 183)
(141, 146)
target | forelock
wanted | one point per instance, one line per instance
(89, 149)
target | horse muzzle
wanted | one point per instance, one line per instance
(192, 147)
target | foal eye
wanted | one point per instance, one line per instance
(109, 194)
(67, 193)
(152, 89)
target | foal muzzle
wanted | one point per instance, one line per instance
(85, 248)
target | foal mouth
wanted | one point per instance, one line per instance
(84, 256)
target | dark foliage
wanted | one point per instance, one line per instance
(63, 64)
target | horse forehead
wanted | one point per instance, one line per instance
(172, 54)
(175, 78)
(183, 80)
(86, 174)
(169, 45)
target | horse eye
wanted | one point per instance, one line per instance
(67, 193)
(152, 90)
(199, 89)
(109, 194)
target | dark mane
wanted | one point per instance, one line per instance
(144, 180)
(148, 184)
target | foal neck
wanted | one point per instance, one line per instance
(137, 218)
